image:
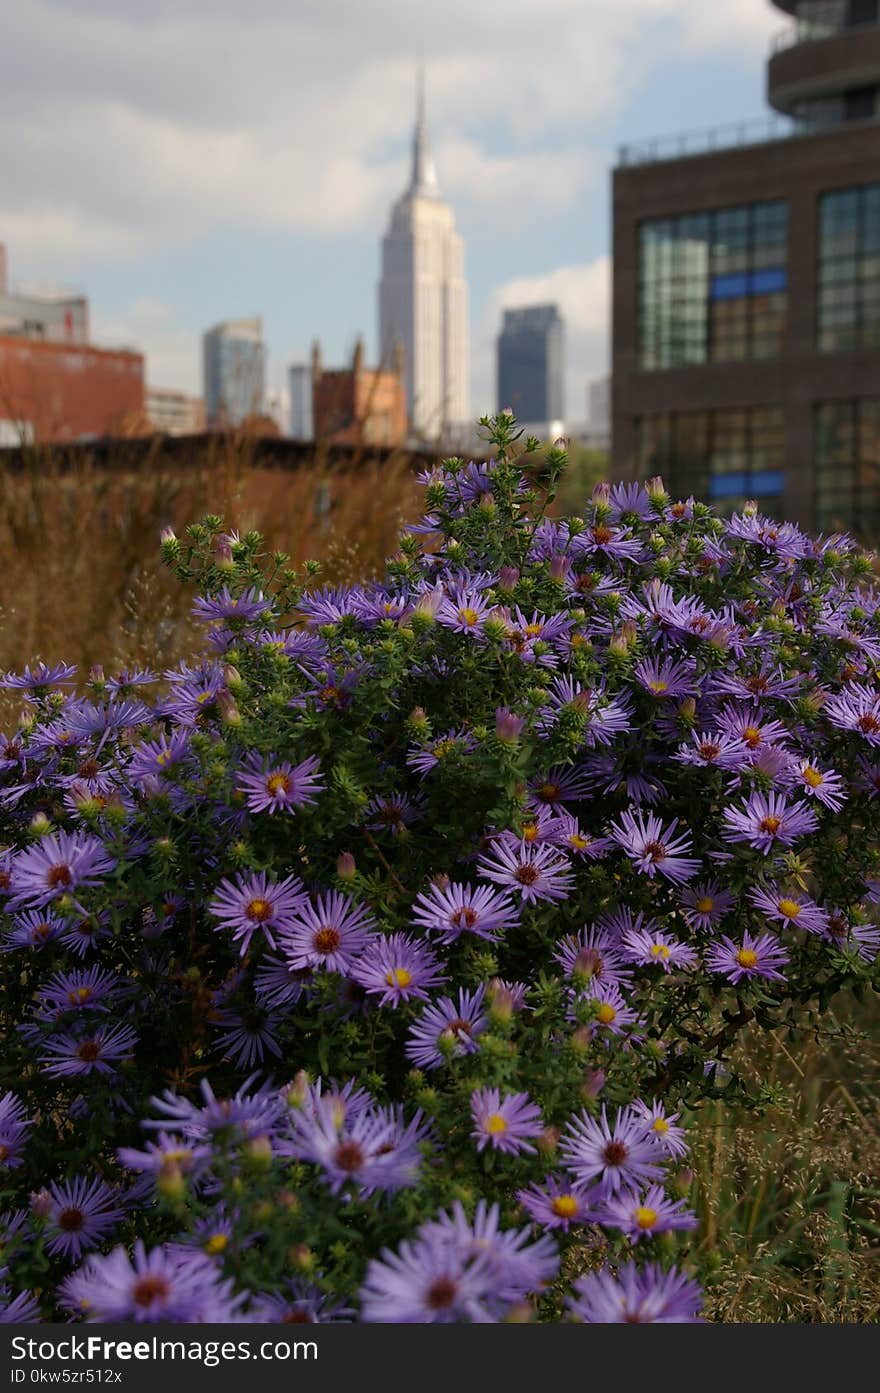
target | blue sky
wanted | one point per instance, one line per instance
(195, 160)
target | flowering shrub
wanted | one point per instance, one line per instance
(371, 967)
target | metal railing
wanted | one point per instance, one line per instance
(727, 137)
(819, 25)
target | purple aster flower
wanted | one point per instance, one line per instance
(276, 983)
(863, 938)
(41, 678)
(169, 1283)
(372, 1149)
(60, 863)
(393, 812)
(328, 932)
(616, 543)
(33, 930)
(429, 1280)
(447, 1028)
(169, 1153)
(789, 909)
(245, 1114)
(715, 748)
(504, 1123)
(86, 931)
(399, 968)
(83, 1213)
(255, 901)
(767, 681)
(66, 1056)
(826, 786)
(623, 1155)
(782, 539)
(519, 1266)
(754, 957)
(566, 833)
(767, 821)
(22, 1309)
(613, 1012)
(280, 786)
(556, 788)
(704, 904)
(463, 610)
(246, 1036)
(83, 989)
(508, 726)
(669, 1137)
(558, 1204)
(533, 872)
(452, 910)
(331, 688)
(299, 1303)
(636, 1296)
(630, 502)
(664, 677)
(14, 1128)
(158, 757)
(653, 848)
(653, 947)
(329, 605)
(746, 724)
(424, 758)
(251, 604)
(592, 956)
(643, 1216)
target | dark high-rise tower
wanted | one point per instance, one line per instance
(746, 301)
(531, 364)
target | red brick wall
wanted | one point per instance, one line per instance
(368, 407)
(65, 392)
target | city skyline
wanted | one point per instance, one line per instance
(174, 210)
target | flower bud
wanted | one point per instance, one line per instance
(223, 553)
(258, 1152)
(296, 1092)
(559, 567)
(170, 1182)
(226, 705)
(41, 1203)
(548, 1140)
(593, 1083)
(346, 867)
(167, 536)
(301, 1257)
(655, 490)
(507, 578)
(508, 726)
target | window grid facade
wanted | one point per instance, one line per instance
(724, 456)
(713, 286)
(846, 438)
(849, 269)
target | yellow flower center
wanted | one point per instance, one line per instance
(770, 824)
(529, 831)
(496, 1124)
(468, 615)
(747, 957)
(278, 783)
(564, 1206)
(790, 908)
(163, 757)
(259, 910)
(659, 950)
(645, 1218)
(752, 736)
(443, 748)
(533, 630)
(658, 686)
(606, 1013)
(398, 977)
(661, 1126)
(578, 842)
(217, 1243)
(812, 777)
(704, 904)
(79, 994)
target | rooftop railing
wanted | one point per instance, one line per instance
(730, 136)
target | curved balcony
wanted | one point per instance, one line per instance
(824, 66)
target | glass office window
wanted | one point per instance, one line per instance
(723, 457)
(849, 269)
(846, 441)
(713, 286)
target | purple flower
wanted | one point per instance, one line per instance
(592, 956)
(22, 1309)
(623, 1155)
(244, 1115)
(429, 1280)
(83, 1213)
(424, 758)
(635, 1296)
(329, 932)
(556, 788)
(33, 930)
(716, 748)
(66, 1056)
(566, 832)
(504, 1123)
(399, 968)
(789, 909)
(767, 821)
(654, 947)
(59, 864)
(372, 1149)
(643, 1216)
(83, 989)
(669, 1137)
(246, 1036)
(299, 1303)
(157, 757)
(654, 848)
(255, 901)
(826, 786)
(533, 872)
(754, 957)
(520, 1266)
(14, 1128)
(169, 1153)
(167, 1284)
(394, 812)
(41, 678)
(613, 1012)
(857, 708)
(452, 910)
(280, 786)
(704, 904)
(249, 605)
(446, 1028)
(558, 1204)
(663, 677)
(614, 542)
(508, 726)
(463, 610)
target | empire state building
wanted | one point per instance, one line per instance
(423, 299)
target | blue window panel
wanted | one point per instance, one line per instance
(729, 287)
(766, 482)
(728, 485)
(769, 281)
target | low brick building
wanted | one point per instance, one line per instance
(359, 405)
(63, 392)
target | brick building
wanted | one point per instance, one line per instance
(359, 405)
(60, 392)
(746, 301)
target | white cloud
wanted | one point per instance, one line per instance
(172, 352)
(583, 294)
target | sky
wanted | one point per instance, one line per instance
(188, 161)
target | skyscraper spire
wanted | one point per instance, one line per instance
(424, 175)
